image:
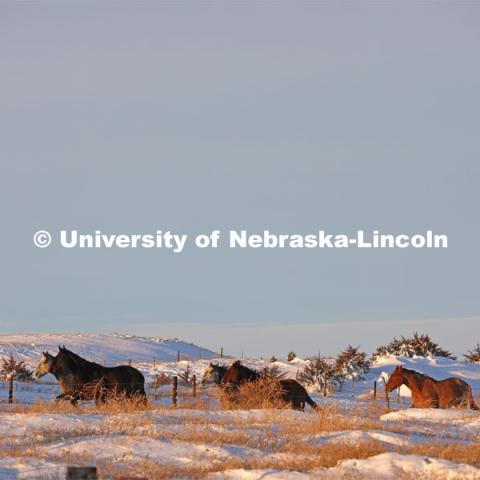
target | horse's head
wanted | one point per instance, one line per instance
(214, 373)
(396, 379)
(45, 365)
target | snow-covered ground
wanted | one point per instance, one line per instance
(352, 436)
(108, 349)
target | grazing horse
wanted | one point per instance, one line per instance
(214, 373)
(430, 393)
(292, 392)
(80, 379)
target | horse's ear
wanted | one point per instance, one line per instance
(59, 348)
(400, 368)
(236, 363)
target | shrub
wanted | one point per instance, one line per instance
(418, 345)
(160, 379)
(319, 374)
(185, 375)
(351, 363)
(473, 356)
(291, 356)
(17, 369)
(271, 373)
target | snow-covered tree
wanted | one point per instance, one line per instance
(273, 359)
(16, 369)
(352, 364)
(271, 373)
(418, 345)
(318, 374)
(473, 356)
(291, 356)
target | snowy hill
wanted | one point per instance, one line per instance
(103, 348)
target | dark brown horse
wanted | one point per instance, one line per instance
(430, 393)
(292, 393)
(80, 379)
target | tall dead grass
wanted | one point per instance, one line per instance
(264, 393)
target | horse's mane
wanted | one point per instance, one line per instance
(414, 372)
(77, 359)
(250, 371)
(217, 366)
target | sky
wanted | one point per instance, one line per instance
(132, 117)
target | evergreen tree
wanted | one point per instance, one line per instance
(351, 363)
(418, 345)
(291, 356)
(318, 374)
(473, 356)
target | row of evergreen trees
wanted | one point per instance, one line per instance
(352, 364)
(420, 345)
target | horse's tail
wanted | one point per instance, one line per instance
(471, 401)
(311, 402)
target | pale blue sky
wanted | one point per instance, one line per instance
(137, 116)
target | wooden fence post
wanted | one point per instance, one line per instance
(81, 473)
(387, 399)
(178, 355)
(154, 363)
(375, 390)
(10, 389)
(174, 391)
(194, 385)
(221, 352)
(130, 363)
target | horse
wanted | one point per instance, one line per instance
(430, 393)
(214, 373)
(291, 392)
(80, 379)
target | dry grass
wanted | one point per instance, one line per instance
(261, 394)
(282, 438)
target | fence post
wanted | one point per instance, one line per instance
(194, 385)
(10, 388)
(375, 390)
(387, 399)
(221, 352)
(178, 355)
(130, 363)
(84, 473)
(174, 391)
(154, 363)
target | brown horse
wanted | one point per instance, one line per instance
(430, 393)
(292, 393)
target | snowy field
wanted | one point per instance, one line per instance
(351, 437)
